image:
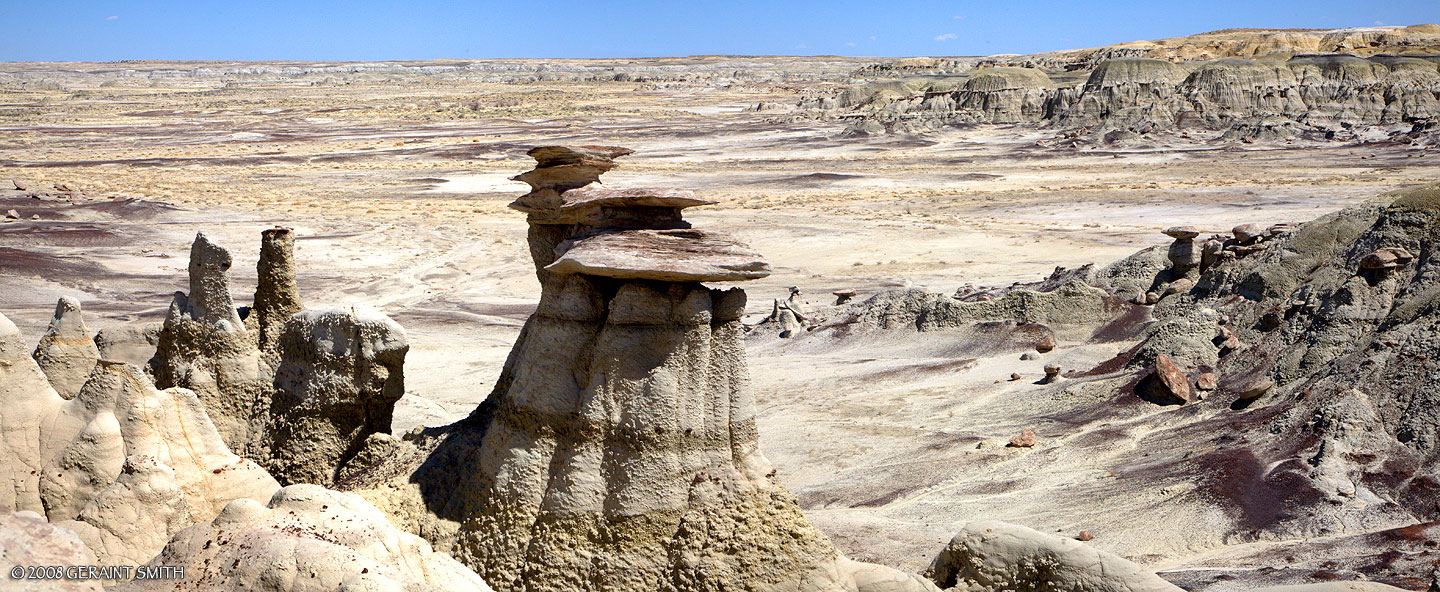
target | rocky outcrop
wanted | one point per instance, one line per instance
(340, 373)
(1312, 343)
(129, 464)
(133, 343)
(67, 353)
(128, 522)
(142, 456)
(300, 392)
(999, 95)
(306, 538)
(1071, 304)
(28, 541)
(31, 414)
(205, 347)
(998, 556)
(618, 450)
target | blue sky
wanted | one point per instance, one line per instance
(39, 30)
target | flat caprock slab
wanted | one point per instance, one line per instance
(679, 255)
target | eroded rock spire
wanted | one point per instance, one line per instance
(277, 294)
(67, 353)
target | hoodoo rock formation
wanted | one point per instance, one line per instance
(340, 373)
(301, 392)
(205, 347)
(277, 294)
(67, 353)
(618, 450)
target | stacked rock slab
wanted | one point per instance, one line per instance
(67, 353)
(619, 449)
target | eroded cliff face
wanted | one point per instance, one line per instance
(1305, 84)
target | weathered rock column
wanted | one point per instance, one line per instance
(277, 294)
(619, 449)
(205, 347)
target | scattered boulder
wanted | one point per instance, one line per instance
(1211, 252)
(1084, 536)
(1387, 258)
(1254, 390)
(67, 353)
(998, 556)
(1025, 439)
(1014, 376)
(12, 215)
(1207, 381)
(1164, 383)
(1045, 344)
(1179, 286)
(1248, 233)
(1029, 356)
(843, 296)
(1052, 374)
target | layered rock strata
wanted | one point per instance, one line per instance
(1314, 95)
